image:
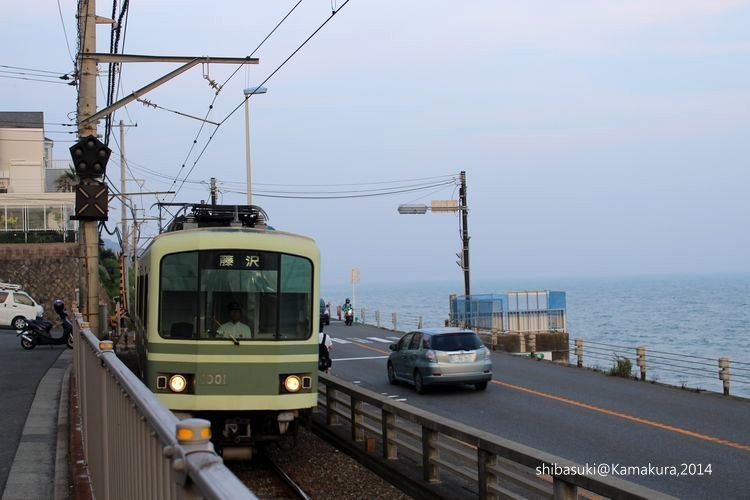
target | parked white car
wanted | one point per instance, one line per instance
(17, 307)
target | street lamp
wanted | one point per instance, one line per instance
(450, 206)
(249, 92)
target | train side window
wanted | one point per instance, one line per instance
(295, 298)
(178, 295)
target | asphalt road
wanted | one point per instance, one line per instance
(581, 415)
(21, 372)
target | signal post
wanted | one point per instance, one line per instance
(89, 208)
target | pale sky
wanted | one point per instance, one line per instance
(599, 137)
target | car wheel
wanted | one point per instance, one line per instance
(480, 386)
(19, 323)
(27, 344)
(392, 375)
(418, 383)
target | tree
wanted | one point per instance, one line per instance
(67, 181)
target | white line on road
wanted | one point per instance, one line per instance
(378, 339)
(361, 341)
(394, 338)
(340, 341)
(357, 359)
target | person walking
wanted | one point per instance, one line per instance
(324, 352)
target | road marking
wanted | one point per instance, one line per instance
(340, 341)
(626, 416)
(611, 412)
(394, 338)
(378, 339)
(360, 341)
(357, 359)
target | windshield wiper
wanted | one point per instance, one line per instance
(222, 335)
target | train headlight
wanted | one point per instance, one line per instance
(177, 383)
(292, 383)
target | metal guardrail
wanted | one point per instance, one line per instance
(134, 447)
(641, 359)
(445, 450)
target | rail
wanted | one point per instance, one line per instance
(133, 446)
(457, 456)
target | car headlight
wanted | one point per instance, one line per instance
(292, 383)
(177, 383)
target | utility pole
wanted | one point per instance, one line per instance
(88, 234)
(123, 196)
(88, 117)
(213, 191)
(464, 207)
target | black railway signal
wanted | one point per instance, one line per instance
(90, 157)
(91, 202)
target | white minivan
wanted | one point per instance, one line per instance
(17, 307)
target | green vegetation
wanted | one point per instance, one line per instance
(109, 272)
(622, 367)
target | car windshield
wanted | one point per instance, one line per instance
(459, 341)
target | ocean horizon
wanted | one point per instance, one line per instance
(686, 322)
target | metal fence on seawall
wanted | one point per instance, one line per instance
(648, 364)
(133, 446)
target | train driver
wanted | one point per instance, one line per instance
(234, 327)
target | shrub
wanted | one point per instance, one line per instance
(622, 367)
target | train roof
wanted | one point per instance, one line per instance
(199, 215)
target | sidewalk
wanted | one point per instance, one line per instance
(40, 466)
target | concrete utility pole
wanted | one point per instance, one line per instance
(88, 118)
(88, 234)
(464, 206)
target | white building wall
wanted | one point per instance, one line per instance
(22, 159)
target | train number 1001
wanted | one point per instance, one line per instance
(212, 379)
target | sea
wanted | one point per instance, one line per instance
(685, 322)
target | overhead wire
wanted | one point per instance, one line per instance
(273, 73)
(328, 184)
(33, 79)
(65, 32)
(210, 107)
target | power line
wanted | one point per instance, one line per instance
(200, 155)
(33, 79)
(452, 176)
(211, 106)
(343, 196)
(53, 73)
(65, 32)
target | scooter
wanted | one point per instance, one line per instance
(349, 317)
(39, 331)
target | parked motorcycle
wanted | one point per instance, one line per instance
(349, 317)
(39, 331)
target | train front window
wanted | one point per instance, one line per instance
(235, 295)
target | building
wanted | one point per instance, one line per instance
(32, 209)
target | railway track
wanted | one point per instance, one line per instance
(267, 479)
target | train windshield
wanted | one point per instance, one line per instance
(235, 295)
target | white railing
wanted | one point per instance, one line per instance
(130, 442)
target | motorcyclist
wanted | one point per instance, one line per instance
(347, 306)
(348, 312)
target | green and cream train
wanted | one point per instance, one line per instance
(226, 323)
